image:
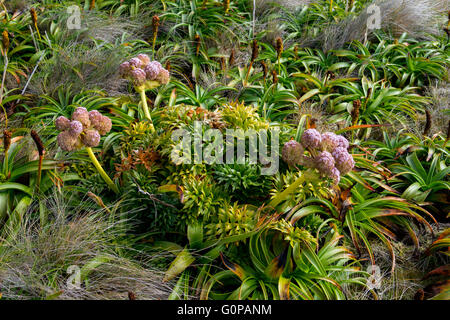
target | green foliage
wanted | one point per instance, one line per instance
(285, 236)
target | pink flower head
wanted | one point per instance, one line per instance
(124, 69)
(292, 152)
(91, 138)
(135, 62)
(104, 126)
(62, 123)
(81, 114)
(67, 141)
(144, 59)
(311, 138)
(163, 76)
(344, 160)
(100, 122)
(324, 162)
(75, 128)
(96, 117)
(138, 76)
(152, 70)
(330, 141)
(343, 143)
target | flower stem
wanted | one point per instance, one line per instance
(100, 170)
(145, 106)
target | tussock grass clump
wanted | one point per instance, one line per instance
(36, 263)
(88, 57)
(418, 18)
(439, 108)
(96, 68)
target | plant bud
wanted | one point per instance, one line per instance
(144, 59)
(104, 126)
(152, 70)
(66, 141)
(135, 62)
(343, 143)
(324, 162)
(91, 138)
(163, 76)
(62, 123)
(343, 160)
(124, 69)
(311, 138)
(81, 114)
(75, 128)
(292, 152)
(329, 141)
(138, 75)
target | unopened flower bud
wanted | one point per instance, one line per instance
(124, 69)
(144, 59)
(163, 76)
(324, 162)
(91, 138)
(104, 126)
(81, 114)
(292, 152)
(67, 141)
(344, 161)
(329, 141)
(75, 128)
(135, 62)
(95, 117)
(138, 76)
(343, 143)
(152, 70)
(311, 138)
(62, 123)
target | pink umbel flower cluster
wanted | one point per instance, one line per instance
(292, 152)
(329, 153)
(144, 72)
(84, 129)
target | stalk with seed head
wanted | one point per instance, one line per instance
(274, 77)
(231, 59)
(252, 60)
(264, 66)
(226, 5)
(41, 150)
(355, 111)
(222, 64)
(6, 144)
(155, 25)
(350, 5)
(34, 19)
(5, 43)
(197, 44)
(279, 48)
